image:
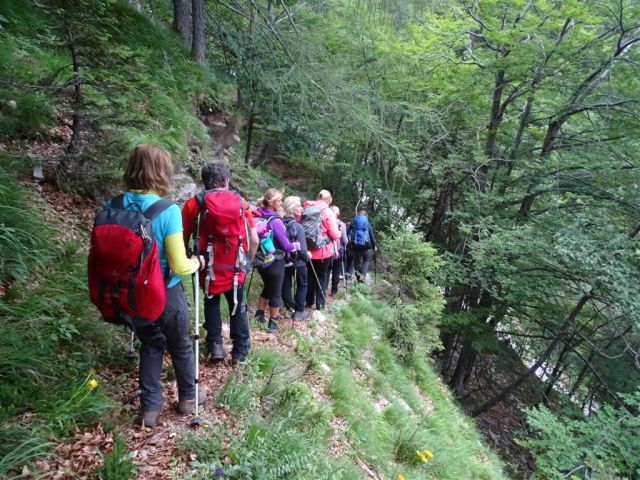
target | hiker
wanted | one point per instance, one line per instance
(295, 270)
(340, 247)
(321, 229)
(272, 273)
(223, 223)
(147, 176)
(363, 243)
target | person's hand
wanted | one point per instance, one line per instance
(201, 261)
(309, 257)
(297, 246)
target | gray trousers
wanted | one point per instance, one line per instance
(170, 331)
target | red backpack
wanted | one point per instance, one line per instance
(126, 281)
(223, 238)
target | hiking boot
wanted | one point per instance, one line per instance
(297, 316)
(150, 418)
(188, 406)
(273, 326)
(238, 362)
(259, 317)
(217, 352)
(289, 312)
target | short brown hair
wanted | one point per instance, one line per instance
(149, 168)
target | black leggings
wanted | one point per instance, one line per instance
(299, 274)
(272, 277)
(317, 288)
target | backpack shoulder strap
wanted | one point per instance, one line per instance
(118, 202)
(200, 198)
(157, 208)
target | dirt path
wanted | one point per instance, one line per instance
(154, 450)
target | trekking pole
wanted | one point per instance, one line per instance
(313, 269)
(197, 421)
(344, 277)
(131, 351)
(375, 266)
(295, 292)
(250, 280)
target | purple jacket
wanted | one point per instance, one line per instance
(279, 231)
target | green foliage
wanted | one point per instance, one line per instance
(24, 243)
(23, 454)
(604, 445)
(136, 84)
(50, 340)
(283, 438)
(416, 413)
(118, 464)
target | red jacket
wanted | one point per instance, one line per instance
(328, 228)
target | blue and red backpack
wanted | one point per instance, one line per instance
(126, 281)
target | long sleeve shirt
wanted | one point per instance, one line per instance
(276, 225)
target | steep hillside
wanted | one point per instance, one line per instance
(350, 394)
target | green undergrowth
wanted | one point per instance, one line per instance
(281, 430)
(51, 341)
(392, 406)
(24, 238)
(137, 84)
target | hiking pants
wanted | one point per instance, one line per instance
(170, 331)
(272, 278)
(348, 266)
(301, 284)
(336, 272)
(316, 291)
(238, 323)
(361, 259)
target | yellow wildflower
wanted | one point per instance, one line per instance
(428, 453)
(421, 455)
(92, 384)
(400, 477)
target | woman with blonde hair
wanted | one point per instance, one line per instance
(148, 175)
(272, 274)
(340, 246)
(295, 270)
(322, 254)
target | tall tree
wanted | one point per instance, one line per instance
(199, 45)
(182, 20)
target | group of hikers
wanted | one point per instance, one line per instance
(142, 244)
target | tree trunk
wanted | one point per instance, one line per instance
(555, 374)
(566, 325)
(198, 47)
(77, 94)
(182, 20)
(466, 361)
(464, 367)
(496, 116)
(443, 205)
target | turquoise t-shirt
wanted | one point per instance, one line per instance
(165, 224)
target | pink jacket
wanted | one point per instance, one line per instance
(329, 228)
